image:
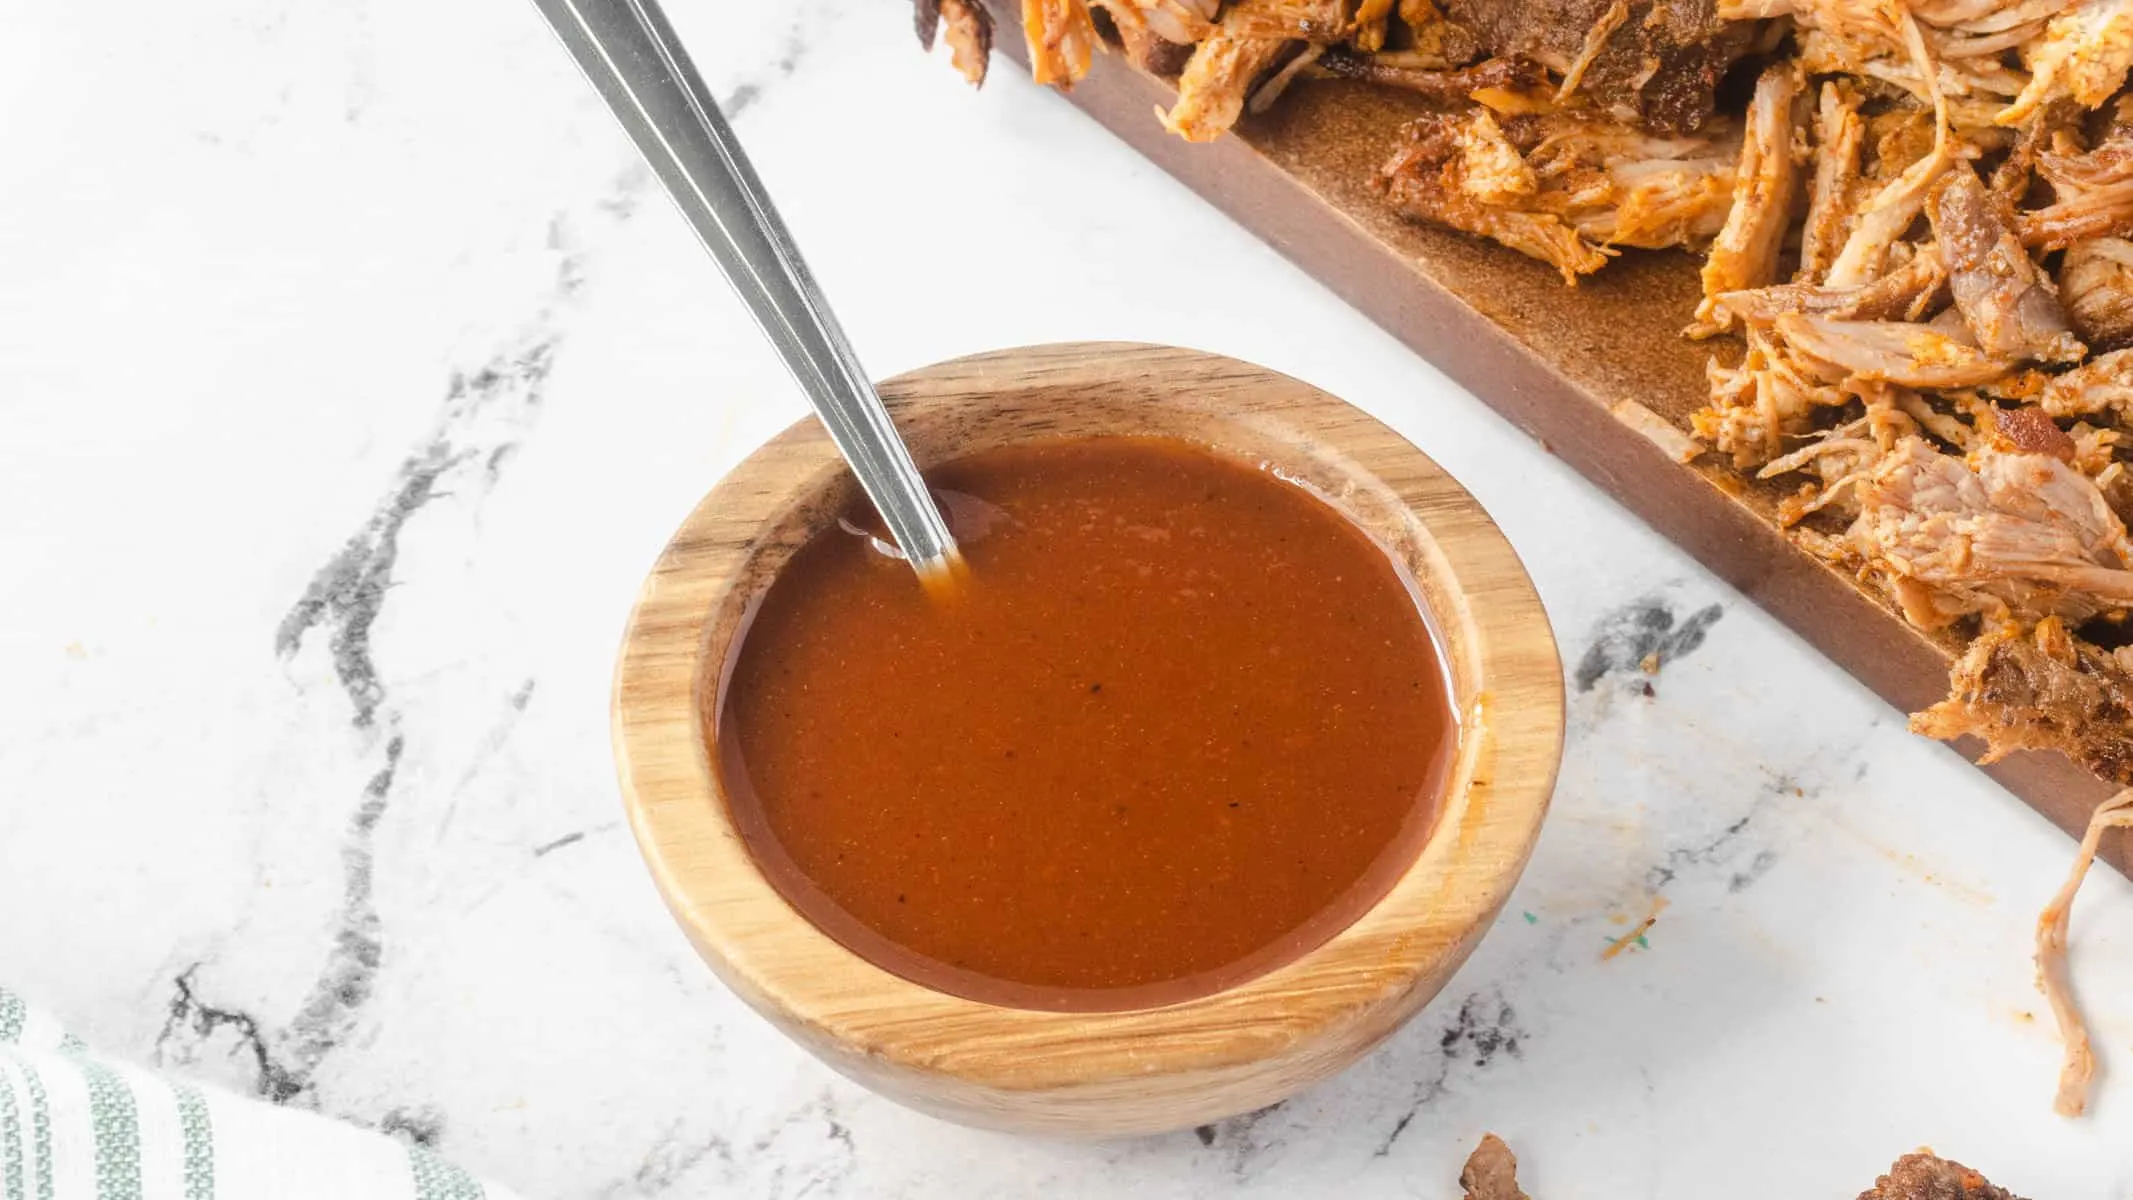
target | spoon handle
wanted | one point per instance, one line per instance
(632, 57)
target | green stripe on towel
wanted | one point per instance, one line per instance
(436, 1179)
(199, 1143)
(10, 1140)
(118, 1133)
(40, 1130)
(12, 1012)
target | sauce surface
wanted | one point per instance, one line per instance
(1184, 722)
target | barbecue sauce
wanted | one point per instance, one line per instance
(1184, 722)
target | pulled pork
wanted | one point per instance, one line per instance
(1745, 253)
(2096, 285)
(2010, 533)
(1565, 190)
(1655, 63)
(2040, 688)
(2006, 299)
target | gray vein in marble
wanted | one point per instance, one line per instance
(825, 1173)
(574, 837)
(203, 1021)
(1642, 636)
(1720, 848)
(1758, 867)
(1238, 1136)
(548, 848)
(420, 1125)
(671, 1157)
(745, 94)
(285, 1061)
(491, 744)
(482, 416)
(347, 593)
(345, 984)
(1484, 1028)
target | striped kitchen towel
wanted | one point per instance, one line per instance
(74, 1126)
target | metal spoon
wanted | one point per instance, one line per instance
(634, 60)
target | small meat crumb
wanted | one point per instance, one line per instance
(1924, 1176)
(1491, 1172)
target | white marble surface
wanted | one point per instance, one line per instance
(352, 375)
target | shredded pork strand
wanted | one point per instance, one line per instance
(2054, 976)
(1061, 37)
(2096, 286)
(2009, 304)
(1218, 78)
(1840, 135)
(2083, 54)
(1745, 254)
(1904, 294)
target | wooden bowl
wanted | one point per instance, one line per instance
(1115, 1073)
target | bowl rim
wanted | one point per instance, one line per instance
(863, 1018)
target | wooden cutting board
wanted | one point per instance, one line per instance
(1556, 362)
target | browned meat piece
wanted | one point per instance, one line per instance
(1765, 188)
(1906, 294)
(2028, 431)
(1922, 1176)
(1247, 43)
(2102, 385)
(1372, 17)
(1619, 186)
(2084, 54)
(1913, 356)
(1321, 21)
(1156, 35)
(2011, 532)
(2096, 285)
(1153, 54)
(1580, 187)
(1491, 1172)
(1449, 85)
(1061, 37)
(1459, 170)
(1435, 37)
(1596, 39)
(1839, 137)
(969, 37)
(2092, 196)
(2046, 691)
(2010, 306)
(1661, 66)
(1179, 22)
(969, 34)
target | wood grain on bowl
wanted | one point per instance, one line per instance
(1106, 1073)
(1582, 370)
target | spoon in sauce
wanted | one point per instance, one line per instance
(632, 57)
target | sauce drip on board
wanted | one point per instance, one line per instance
(1183, 722)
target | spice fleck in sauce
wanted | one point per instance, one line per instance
(1184, 723)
